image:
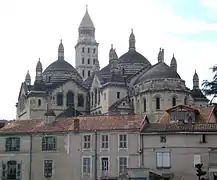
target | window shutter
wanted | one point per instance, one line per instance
(18, 175)
(4, 170)
(159, 160)
(166, 159)
(6, 144)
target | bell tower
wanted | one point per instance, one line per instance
(86, 49)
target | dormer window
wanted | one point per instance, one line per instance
(186, 115)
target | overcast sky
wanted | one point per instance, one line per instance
(33, 28)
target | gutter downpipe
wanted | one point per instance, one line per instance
(95, 156)
(30, 158)
(142, 149)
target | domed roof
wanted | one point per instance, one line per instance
(159, 70)
(60, 65)
(61, 70)
(132, 56)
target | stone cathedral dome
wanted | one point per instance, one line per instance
(60, 70)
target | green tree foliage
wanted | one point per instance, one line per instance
(210, 87)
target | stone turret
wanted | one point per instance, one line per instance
(132, 41)
(28, 78)
(39, 70)
(195, 81)
(61, 51)
(161, 55)
(173, 63)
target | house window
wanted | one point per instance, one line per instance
(157, 103)
(80, 100)
(203, 138)
(88, 50)
(86, 165)
(104, 166)
(88, 73)
(11, 170)
(163, 159)
(49, 143)
(94, 61)
(163, 139)
(48, 168)
(98, 97)
(88, 61)
(92, 98)
(122, 141)
(174, 101)
(12, 144)
(94, 50)
(83, 50)
(122, 164)
(70, 98)
(82, 60)
(104, 141)
(87, 141)
(39, 102)
(144, 105)
(118, 95)
(59, 99)
(83, 73)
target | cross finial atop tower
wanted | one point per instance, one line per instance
(86, 7)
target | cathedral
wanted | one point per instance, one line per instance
(129, 84)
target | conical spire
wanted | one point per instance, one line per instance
(173, 63)
(61, 51)
(39, 66)
(132, 41)
(28, 78)
(195, 80)
(86, 22)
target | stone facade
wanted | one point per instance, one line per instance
(106, 147)
(128, 84)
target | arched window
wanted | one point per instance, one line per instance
(144, 105)
(95, 97)
(80, 100)
(185, 101)
(174, 101)
(59, 99)
(83, 73)
(88, 73)
(88, 61)
(39, 102)
(70, 98)
(157, 103)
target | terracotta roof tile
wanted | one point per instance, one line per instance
(87, 123)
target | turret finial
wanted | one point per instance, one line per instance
(132, 30)
(86, 7)
(111, 46)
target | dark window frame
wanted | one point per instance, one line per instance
(12, 144)
(47, 144)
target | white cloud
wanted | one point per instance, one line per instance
(34, 29)
(212, 4)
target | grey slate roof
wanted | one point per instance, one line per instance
(198, 95)
(132, 56)
(159, 70)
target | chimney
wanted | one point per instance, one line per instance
(76, 125)
(50, 117)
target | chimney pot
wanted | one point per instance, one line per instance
(76, 125)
